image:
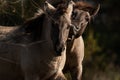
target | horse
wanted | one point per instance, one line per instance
(82, 13)
(38, 47)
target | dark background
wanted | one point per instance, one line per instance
(101, 37)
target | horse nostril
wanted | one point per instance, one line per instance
(87, 19)
(59, 49)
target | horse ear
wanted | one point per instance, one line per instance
(70, 8)
(95, 10)
(49, 8)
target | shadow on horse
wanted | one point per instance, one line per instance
(38, 47)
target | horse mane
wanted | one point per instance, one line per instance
(61, 8)
(83, 5)
(33, 25)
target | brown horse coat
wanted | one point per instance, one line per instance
(82, 13)
(38, 60)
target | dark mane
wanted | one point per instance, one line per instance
(82, 5)
(30, 25)
(37, 20)
(61, 8)
(33, 26)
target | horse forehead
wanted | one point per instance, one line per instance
(61, 19)
(82, 13)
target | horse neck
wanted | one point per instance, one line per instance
(75, 42)
(46, 30)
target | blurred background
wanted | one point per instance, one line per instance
(101, 37)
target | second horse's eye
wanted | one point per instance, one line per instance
(87, 18)
(74, 14)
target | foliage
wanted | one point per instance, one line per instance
(14, 12)
(91, 45)
(102, 44)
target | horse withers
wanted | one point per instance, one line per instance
(81, 15)
(35, 44)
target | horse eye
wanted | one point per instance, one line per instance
(74, 14)
(87, 18)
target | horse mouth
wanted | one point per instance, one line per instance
(73, 32)
(59, 49)
(75, 29)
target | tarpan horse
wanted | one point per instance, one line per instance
(81, 15)
(35, 46)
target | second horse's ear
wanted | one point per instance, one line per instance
(95, 10)
(92, 9)
(49, 8)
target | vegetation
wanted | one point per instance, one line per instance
(101, 36)
(102, 44)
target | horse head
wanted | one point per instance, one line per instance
(81, 16)
(61, 21)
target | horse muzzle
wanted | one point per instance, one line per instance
(59, 49)
(73, 32)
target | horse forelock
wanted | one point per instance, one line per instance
(32, 27)
(61, 8)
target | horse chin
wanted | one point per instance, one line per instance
(77, 35)
(59, 50)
